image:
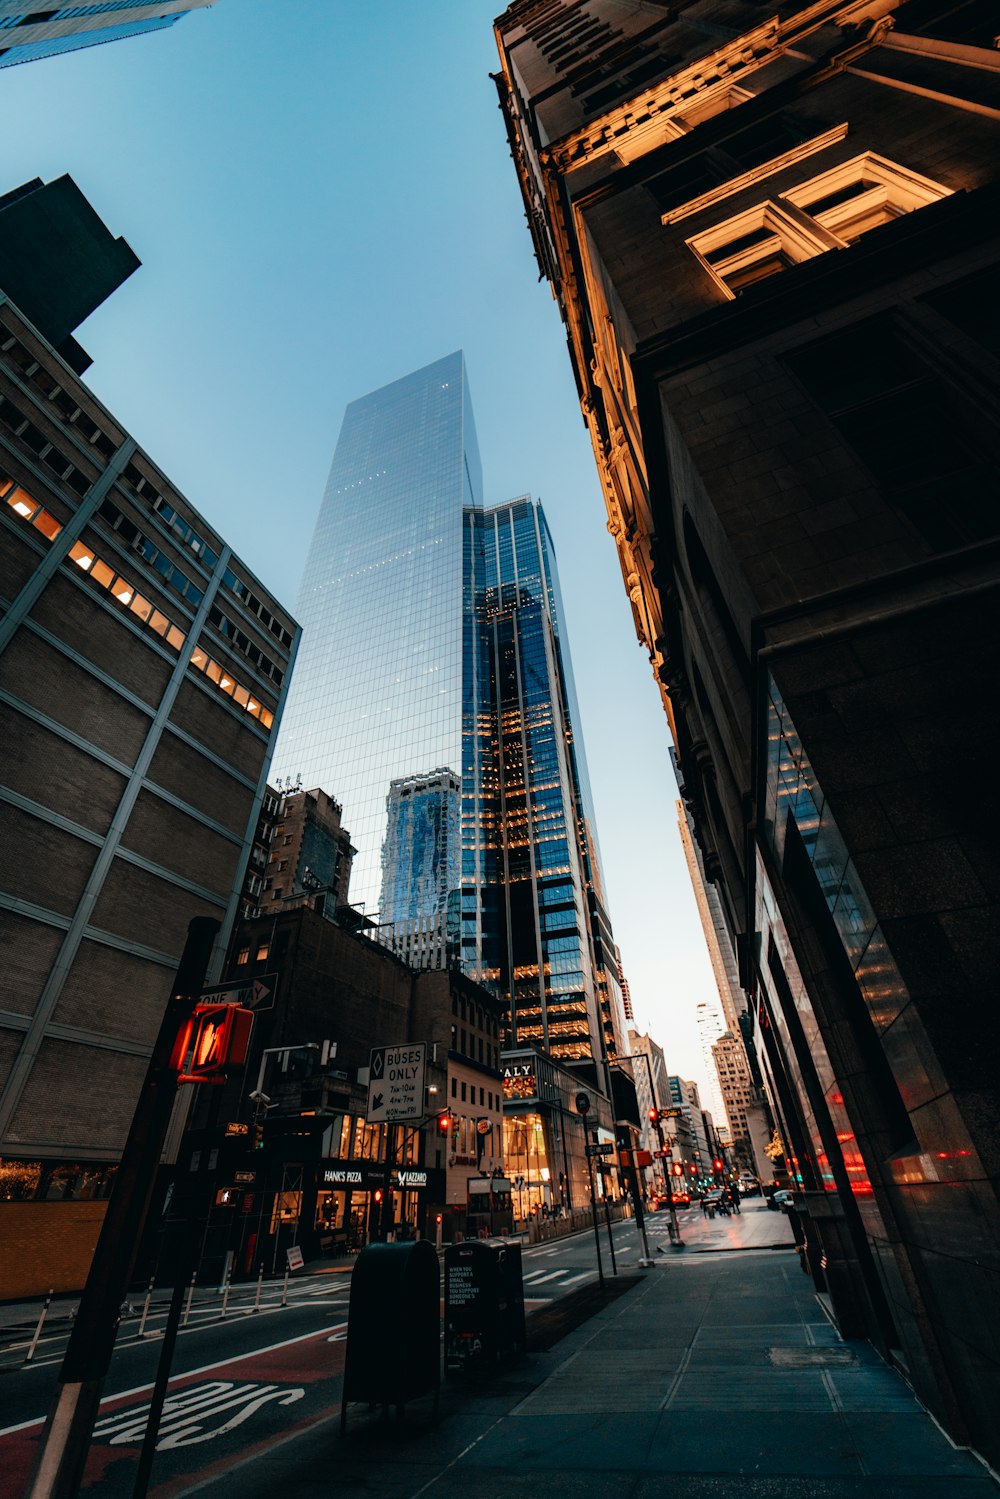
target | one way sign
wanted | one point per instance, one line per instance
(396, 1083)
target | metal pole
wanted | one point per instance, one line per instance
(70, 1423)
(190, 1297)
(145, 1308)
(284, 1291)
(38, 1330)
(611, 1242)
(225, 1293)
(260, 1277)
(597, 1235)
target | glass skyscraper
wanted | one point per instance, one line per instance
(27, 35)
(376, 695)
(433, 673)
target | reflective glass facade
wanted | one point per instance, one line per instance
(532, 915)
(433, 684)
(377, 690)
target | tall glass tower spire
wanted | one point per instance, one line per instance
(377, 692)
(433, 698)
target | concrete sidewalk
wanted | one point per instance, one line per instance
(715, 1375)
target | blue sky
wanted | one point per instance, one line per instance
(322, 198)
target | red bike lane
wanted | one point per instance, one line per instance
(212, 1415)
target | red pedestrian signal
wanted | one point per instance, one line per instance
(677, 1168)
(377, 1195)
(217, 1037)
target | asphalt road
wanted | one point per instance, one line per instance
(259, 1379)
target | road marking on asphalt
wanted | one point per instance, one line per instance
(536, 1280)
(220, 1363)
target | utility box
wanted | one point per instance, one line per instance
(393, 1326)
(484, 1305)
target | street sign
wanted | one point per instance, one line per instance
(294, 1257)
(234, 1129)
(583, 1103)
(396, 1083)
(671, 1113)
(244, 1176)
(662, 1155)
(593, 1150)
(254, 994)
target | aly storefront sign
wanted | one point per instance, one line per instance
(519, 1080)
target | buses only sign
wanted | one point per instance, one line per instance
(396, 1083)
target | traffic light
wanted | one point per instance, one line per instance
(444, 1122)
(228, 1197)
(377, 1195)
(717, 1165)
(677, 1168)
(653, 1115)
(217, 1037)
(693, 1169)
(258, 1137)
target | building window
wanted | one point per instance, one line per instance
(463, 1093)
(243, 956)
(829, 212)
(454, 1086)
(757, 243)
(863, 193)
(262, 952)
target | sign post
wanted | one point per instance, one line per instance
(583, 1109)
(395, 1094)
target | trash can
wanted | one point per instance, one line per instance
(484, 1305)
(393, 1326)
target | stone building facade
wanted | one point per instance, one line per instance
(773, 242)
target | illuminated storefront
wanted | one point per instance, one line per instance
(544, 1136)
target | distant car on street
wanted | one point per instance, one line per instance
(780, 1199)
(681, 1199)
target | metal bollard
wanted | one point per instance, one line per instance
(284, 1291)
(190, 1298)
(38, 1330)
(225, 1294)
(145, 1309)
(260, 1277)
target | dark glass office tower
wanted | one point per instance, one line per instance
(533, 918)
(433, 666)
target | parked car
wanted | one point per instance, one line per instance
(782, 1199)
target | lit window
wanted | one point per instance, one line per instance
(199, 658)
(122, 590)
(81, 555)
(175, 637)
(243, 956)
(144, 610)
(23, 503)
(262, 952)
(46, 523)
(102, 573)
